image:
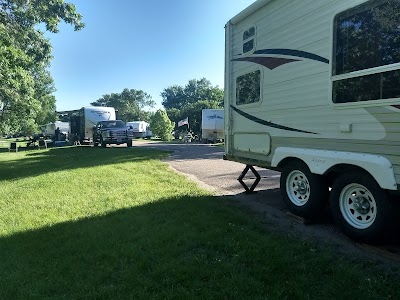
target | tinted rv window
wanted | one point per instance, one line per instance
(367, 36)
(248, 88)
(249, 33)
(248, 40)
(370, 87)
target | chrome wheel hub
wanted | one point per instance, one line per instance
(301, 187)
(362, 205)
(358, 206)
(298, 188)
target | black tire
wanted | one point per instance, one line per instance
(370, 219)
(129, 144)
(103, 144)
(312, 195)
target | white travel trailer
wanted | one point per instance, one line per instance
(50, 129)
(139, 129)
(312, 90)
(83, 120)
(212, 125)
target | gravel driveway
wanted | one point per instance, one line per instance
(203, 163)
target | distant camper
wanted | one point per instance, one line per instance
(50, 129)
(212, 125)
(140, 129)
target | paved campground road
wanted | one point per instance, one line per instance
(203, 163)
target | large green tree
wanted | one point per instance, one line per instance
(161, 125)
(195, 90)
(131, 104)
(189, 100)
(26, 86)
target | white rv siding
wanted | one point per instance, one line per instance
(94, 114)
(212, 124)
(140, 129)
(298, 94)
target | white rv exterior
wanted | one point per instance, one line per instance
(139, 129)
(91, 115)
(312, 89)
(50, 128)
(212, 125)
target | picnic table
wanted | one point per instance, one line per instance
(32, 141)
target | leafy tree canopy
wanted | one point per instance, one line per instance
(26, 86)
(189, 100)
(130, 103)
(28, 13)
(196, 90)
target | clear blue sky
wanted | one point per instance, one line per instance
(146, 45)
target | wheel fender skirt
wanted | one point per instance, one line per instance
(320, 161)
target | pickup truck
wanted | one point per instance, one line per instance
(111, 132)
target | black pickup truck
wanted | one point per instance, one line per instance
(111, 132)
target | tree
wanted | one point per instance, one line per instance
(194, 111)
(177, 96)
(130, 104)
(161, 125)
(188, 101)
(28, 13)
(173, 97)
(44, 89)
(26, 87)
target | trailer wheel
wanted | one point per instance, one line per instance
(361, 207)
(304, 193)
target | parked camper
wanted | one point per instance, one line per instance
(83, 120)
(212, 125)
(312, 90)
(139, 129)
(49, 130)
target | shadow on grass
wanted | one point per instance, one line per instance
(169, 248)
(39, 162)
(178, 248)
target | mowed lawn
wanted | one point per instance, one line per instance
(117, 223)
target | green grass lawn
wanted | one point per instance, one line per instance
(5, 143)
(117, 223)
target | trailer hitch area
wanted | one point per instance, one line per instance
(256, 181)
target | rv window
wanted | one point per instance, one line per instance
(367, 36)
(248, 88)
(370, 87)
(248, 40)
(249, 33)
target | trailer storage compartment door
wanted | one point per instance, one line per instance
(252, 142)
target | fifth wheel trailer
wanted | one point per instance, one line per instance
(212, 125)
(312, 89)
